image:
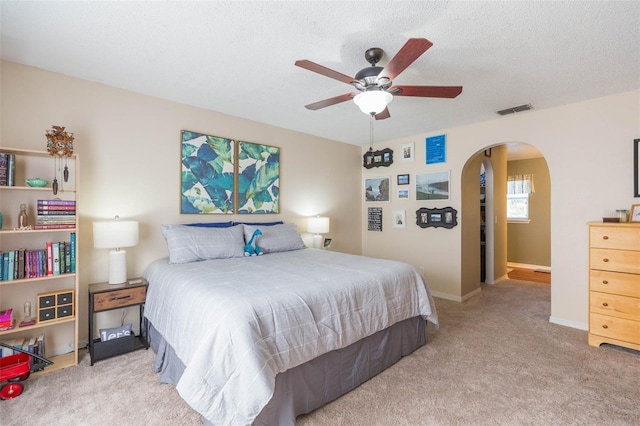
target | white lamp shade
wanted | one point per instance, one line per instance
(115, 233)
(318, 225)
(373, 101)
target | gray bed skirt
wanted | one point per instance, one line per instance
(313, 384)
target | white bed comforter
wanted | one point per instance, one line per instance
(236, 323)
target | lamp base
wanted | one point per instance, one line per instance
(317, 241)
(117, 267)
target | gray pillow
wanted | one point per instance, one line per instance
(276, 238)
(191, 244)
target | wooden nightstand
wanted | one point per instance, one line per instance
(105, 297)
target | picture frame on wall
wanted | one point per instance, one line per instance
(433, 186)
(636, 168)
(437, 218)
(258, 170)
(207, 174)
(407, 151)
(436, 149)
(399, 219)
(403, 179)
(376, 189)
(403, 194)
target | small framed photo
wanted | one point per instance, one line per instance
(407, 151)
(399, 219)
(635, 213)
(403, 179)
(403, 194)
(327, 243)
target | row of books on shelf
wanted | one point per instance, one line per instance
(7, 169)
(57, 258)
(56, 214)
(34, 345)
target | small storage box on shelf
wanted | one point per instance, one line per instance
(614, 284)
(55, 305)
(105, 297)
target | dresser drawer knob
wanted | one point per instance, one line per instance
(605, 260)
(605, 304)
(605, 326)
(605, 282)
(605, 237)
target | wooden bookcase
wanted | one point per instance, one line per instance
(61, 332)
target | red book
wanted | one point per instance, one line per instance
(49, 258)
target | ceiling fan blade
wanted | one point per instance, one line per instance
(331, 101)
(427, 91)
(411, 50)
(382, 115)
(312, 66)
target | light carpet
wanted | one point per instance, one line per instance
(496, 360)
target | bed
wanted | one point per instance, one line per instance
(262, 339)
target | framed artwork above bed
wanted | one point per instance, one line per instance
(226, 176)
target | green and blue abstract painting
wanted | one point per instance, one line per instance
(207, 174)
(258, 178)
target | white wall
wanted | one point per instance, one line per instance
(588, 148)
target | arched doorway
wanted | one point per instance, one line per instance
(492, 254)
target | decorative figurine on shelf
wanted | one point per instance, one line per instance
(28, 320)
(59, 144)
(23, 217)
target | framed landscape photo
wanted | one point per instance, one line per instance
(432, 186)
(376, 189)
(403, 179)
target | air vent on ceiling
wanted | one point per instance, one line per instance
(511, 110)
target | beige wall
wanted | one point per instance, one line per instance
(530, 243)
(129, 146)
(588, 149)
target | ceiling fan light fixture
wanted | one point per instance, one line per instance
(373, 101)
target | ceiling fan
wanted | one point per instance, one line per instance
(374, 83)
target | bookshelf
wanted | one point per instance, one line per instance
(61, 333)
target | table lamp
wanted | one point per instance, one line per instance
(116, 234)
(317, 225)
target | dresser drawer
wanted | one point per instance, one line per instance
(119, 298)
(615, 260)
(614, 282)
(615, 328)
(617, 306)
(623, 237)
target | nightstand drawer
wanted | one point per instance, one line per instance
(119, 298)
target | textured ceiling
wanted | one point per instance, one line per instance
(238, 57)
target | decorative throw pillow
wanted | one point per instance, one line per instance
(115, 333)
(191, 244)
(276, 238)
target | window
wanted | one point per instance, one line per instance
(517, 207)
(518, 189)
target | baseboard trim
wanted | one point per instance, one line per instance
(456, 298)
(446, 296)
(527, 266)
(567, 323)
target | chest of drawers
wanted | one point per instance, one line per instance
(614, 284)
